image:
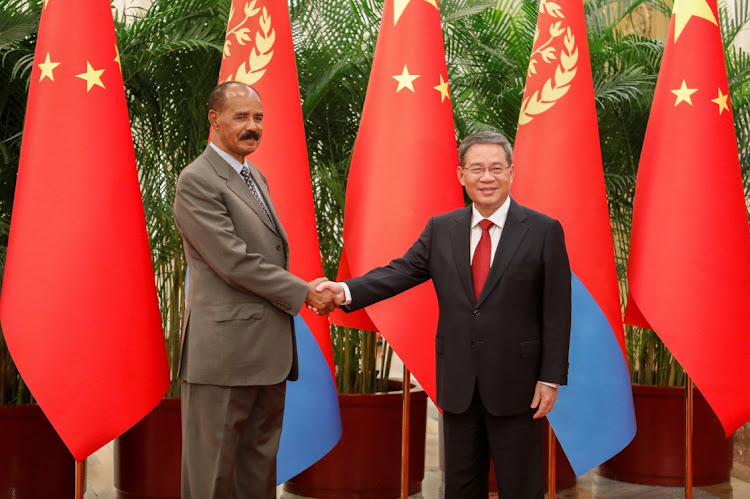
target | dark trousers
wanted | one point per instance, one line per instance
(230, 438)
(513, 442)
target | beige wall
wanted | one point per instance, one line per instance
(120, 5)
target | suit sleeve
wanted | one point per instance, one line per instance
(204, 222)
(399, 275)
(556, 308)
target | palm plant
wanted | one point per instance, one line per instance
(170, 54)
(334, 44)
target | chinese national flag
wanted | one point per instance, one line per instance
(689, 267)
(593, 417)
(79, 308)
(258, 51)
(403, 172)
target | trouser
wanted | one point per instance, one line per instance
(230, 438)
(513, 442)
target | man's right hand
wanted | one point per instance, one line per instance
(335, 287)
(321, 301)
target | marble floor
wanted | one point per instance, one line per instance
(589, 486)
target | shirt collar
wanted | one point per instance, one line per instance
(498, 218)
(236, 165)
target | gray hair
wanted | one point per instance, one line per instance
(486, 137)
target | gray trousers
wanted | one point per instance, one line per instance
(230, 438)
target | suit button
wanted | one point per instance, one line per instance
(278, 247)
(476, 312)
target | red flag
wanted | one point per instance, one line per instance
(403, 172)
(689, 266)
(79, 307)
(258, 51)
(593, 417)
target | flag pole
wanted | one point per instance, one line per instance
(551, 462)
(405, 435)
(688, 437)
(80, 478)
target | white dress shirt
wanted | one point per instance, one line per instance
(498, 218)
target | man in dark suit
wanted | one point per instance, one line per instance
(238, 343)
(502, 279)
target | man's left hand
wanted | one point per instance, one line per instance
(544, 399)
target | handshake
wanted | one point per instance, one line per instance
(323, 296)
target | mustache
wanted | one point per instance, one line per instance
(250, 134)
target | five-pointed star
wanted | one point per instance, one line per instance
(92, 76)
(721, 101)
(45, 4)
(400, 5)
(684, 10)
(443, 89)
(47, 67)
(683, 94)
(117, 57)
(405, 80)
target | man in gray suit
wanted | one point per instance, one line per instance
(238, 342)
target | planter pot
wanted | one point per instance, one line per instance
(34, 461)
(147, 457)
(565, 477)
(656, 456)
(366, 463)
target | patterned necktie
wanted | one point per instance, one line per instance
(245, 172)
(480, 265)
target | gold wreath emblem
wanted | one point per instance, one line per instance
(252, 70)
(558, 85)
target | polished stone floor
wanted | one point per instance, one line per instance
(589, 486)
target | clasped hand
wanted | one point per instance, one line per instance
(321, 301)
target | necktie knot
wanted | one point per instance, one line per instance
(486, 224)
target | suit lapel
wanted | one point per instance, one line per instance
(236, 184)
(510, 239)
(255, 172)
(460, 235)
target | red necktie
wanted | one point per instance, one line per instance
(480, 265)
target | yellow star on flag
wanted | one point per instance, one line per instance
(400, 5)
(684, 10)
(117, 57)
(47, 67)
(405, 80)
(45, 4)
(683, 94)
(92, 76)
(443, 89)
(721, 101)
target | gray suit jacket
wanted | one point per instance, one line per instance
(238, 328)
(516, 334)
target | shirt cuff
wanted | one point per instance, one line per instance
(347, 294)
(553, 385)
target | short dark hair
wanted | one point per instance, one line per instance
(218, 95)
(487, 137)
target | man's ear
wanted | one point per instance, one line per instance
(460, 173)
(213, 118)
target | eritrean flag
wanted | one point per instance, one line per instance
(558, 171)
(258, 50)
